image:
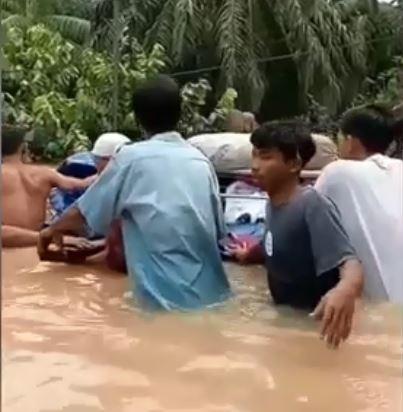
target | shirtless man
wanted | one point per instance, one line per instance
(25, 190)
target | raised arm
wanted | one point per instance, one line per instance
(69, 183)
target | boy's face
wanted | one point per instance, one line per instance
(271, 170)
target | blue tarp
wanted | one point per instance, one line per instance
(80, 165)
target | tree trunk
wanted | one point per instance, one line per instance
(116, 57)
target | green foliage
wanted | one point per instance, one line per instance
(26, 13)
(194, 97)
(65, 92)
(73, 64)
(332, 44)
(39, 86)
(386, 88)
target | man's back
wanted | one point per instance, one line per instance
(25, 189)
(369, 195)
(169, 206)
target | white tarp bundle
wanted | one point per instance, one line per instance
(326, 152)
(233, 151)
(227, 151)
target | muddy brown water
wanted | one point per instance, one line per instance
(73, 341)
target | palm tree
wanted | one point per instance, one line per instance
(25, 13)
(237, 36)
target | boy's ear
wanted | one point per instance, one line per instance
(295, 165)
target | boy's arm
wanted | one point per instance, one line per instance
(332, 249)
(13, 236)
(336, 309)
(69, 183)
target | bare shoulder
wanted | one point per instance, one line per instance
(38, 176)
(45, 173)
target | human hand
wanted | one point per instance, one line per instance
(335, 311)
(46, 238)
(88, 181)
(239, 251)
(82, 243)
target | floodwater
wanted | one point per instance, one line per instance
(73, 342)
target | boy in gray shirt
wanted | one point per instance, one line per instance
(310, 261)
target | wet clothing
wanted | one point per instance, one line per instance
(115, 255)
(369, 195)
(166, 195)
(305, 244)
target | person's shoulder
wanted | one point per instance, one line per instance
(342, 167)
(342, 172)
(129, 152)
(43, 176)
(313, 200)
(41, 170)
(36, 172)
(307, 193)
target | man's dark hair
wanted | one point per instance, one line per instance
(292, 138)
(372, 125)
(11, 139)
(157, 104)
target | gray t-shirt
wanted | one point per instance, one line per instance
(305, 244)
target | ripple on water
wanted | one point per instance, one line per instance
(73, 340)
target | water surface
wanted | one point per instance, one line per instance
(72, 341)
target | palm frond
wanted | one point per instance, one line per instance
(14, 20)
(184, 17)
(161, 30)
(72, 28)
(320, 38)
(78, 8)
(13, 6)
(231, 25)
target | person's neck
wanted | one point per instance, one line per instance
(285, 194)
(363, 155)
(12, 159)
(151, 134)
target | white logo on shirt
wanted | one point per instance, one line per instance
(268, 244)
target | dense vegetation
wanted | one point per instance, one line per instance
(73, 64)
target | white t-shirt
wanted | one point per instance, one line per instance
(369, 196)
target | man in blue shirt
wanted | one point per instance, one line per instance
(166, 194)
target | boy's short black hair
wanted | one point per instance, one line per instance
(372, 125)
(157, 104)
(12, 138)
(292, 138)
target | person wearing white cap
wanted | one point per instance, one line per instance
(106, 146)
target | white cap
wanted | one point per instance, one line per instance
(108, 143)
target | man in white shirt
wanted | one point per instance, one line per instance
(368, 191)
